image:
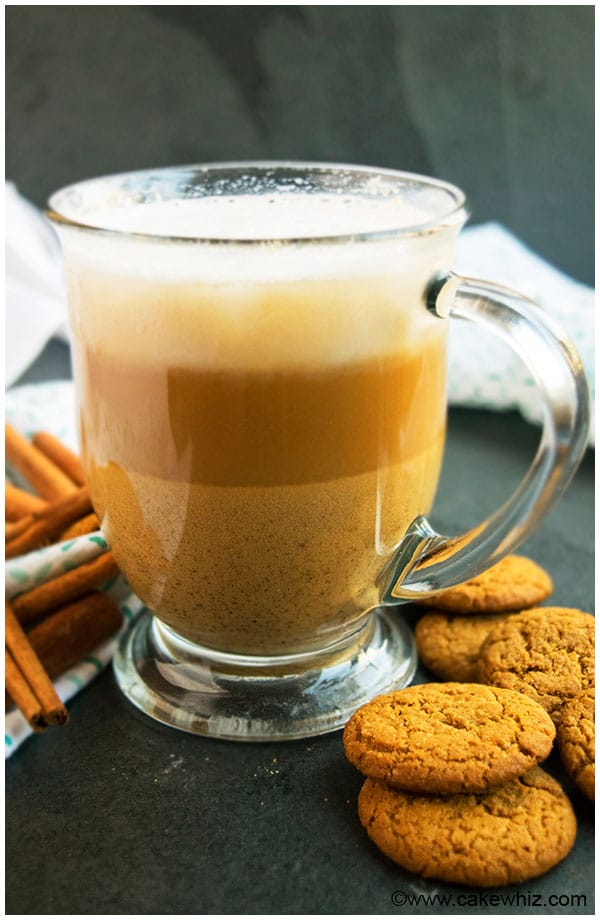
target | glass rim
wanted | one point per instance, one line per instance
(455, 216)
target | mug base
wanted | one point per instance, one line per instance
(260, 698)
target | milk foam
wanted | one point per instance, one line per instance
(262, 217)
(260, 305)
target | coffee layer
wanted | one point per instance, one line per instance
(243, 429)
(261, 570)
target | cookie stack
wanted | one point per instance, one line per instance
(453, 788)
(490, 630)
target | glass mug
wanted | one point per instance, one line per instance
(259, 356)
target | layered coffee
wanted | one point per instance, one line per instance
(257, 438)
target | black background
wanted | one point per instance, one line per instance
(498, 99)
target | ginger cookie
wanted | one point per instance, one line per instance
(512, 833)
(576, 741)
(447, 738)
(448, 644)
(546, 653)
(514, 583)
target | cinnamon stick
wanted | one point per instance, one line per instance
(65, 588)
(41, 473)
(86, 524)
(21, 694)
(14, 529)
(54, 712)
(18, 503)
(67, 636)
(49, 523)
(60, 455)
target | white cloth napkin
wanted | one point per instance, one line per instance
(483, 372)
(35, 290)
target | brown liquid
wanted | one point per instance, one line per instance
(253, 511)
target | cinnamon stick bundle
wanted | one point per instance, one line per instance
(73, 616)
(53, 711)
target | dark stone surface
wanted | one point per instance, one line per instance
(499, 99)
(119, 815)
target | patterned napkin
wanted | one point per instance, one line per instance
(482, 370)
(50, 407)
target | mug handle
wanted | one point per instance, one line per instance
(425, 561)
